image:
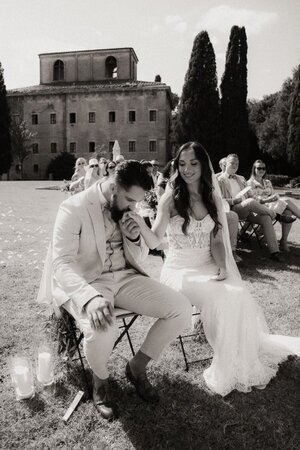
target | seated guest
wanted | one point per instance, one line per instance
(263, 192)
(111, 167)
(163, 179)
(247, 208)
(92, 174)
(77, 180)
(103, 167)
(155, 172)
(119, 159)
(148, 166)
(97, 252)
(222, 165)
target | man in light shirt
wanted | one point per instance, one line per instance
(246, 207)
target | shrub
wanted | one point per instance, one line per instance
(62, 166)
(295, 182)
(278, 180)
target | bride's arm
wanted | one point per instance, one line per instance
(218, 252)
(154, 236)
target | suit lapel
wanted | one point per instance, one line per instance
(95, 212)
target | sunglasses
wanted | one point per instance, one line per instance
(94, 165)
(260, 168)
(155, 165)
(111, 167)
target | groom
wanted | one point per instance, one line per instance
(96, 257)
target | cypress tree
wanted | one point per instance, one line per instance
(5, 144)
(198, 111)
(234, 113)
(293, 146)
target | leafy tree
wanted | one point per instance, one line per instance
(198, 111)
(293, 147)
(5, 143)
(234, 111)
(268, 119)
(21, 141)
(174, 100)
(62, 166)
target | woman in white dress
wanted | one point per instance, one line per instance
(199, 264)
(77, 180)
(264, 193)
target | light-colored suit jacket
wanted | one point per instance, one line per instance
(224, 183)
(79, 248)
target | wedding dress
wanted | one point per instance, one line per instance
(244, 354)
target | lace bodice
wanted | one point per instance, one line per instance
(198, 233)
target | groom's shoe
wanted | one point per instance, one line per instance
(142, 385)
(102, 402)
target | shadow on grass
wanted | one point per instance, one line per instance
(36, 404)
(255, 262)
(189, 417)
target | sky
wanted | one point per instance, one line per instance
(160, 31)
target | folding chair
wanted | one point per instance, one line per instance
(254, 228)
(248, 229)
(184, 353)
(77, 336)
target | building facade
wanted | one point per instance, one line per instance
(85, 101)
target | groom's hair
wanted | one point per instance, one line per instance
(132, 173)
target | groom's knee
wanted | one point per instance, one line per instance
(182, 308)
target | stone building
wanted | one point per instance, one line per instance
(85, 101)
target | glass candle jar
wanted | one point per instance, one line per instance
(44, 365)
(22, 377)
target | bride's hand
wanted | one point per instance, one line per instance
(222, 275)
(136, 217)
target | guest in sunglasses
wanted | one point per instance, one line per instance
(111, 167)
(264, 193)
(77, 180)
(92, 174)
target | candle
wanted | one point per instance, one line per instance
(23, 380)
(44, 369)
(22, 377)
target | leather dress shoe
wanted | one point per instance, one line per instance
(102, 402)
(285, 219)
(142, 385)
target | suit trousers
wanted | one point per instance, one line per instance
(130, 290)
(251, 210)
(233, 227)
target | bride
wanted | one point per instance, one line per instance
(199, 264)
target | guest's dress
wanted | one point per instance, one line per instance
(244, 354)
(261, 191)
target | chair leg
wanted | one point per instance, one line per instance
(77, 341)
(128, 337)
(184, 354)
(126, 327)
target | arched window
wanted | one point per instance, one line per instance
(58, 71)
(111, 67)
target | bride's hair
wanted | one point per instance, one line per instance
(181, 193)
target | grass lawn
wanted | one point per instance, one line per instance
(189, 416)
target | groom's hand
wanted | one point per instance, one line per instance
(100, 313)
